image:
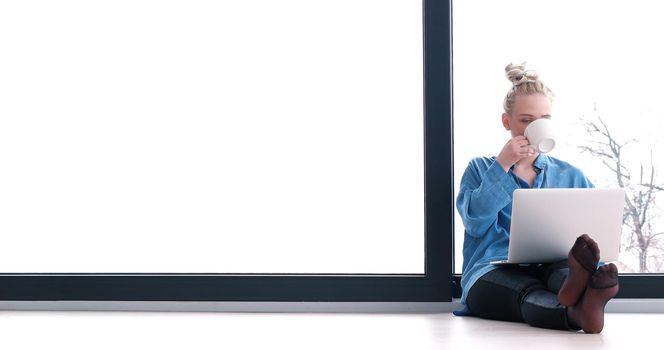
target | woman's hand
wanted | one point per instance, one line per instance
(514, 150)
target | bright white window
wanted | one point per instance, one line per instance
(206, 136)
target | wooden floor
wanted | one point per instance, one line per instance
(179, 330)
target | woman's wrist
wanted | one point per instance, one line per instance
(503, 164)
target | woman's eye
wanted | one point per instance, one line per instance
(527, 120)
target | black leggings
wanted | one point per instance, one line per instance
(522, 294)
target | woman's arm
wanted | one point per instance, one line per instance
(485, 189)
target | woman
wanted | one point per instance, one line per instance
(570, 294)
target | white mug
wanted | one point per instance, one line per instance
(541, 135)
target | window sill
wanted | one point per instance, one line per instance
(622, 305)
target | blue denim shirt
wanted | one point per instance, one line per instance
(485, 205)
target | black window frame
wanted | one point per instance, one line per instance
(434, 285)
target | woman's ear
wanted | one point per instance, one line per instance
(506, 121)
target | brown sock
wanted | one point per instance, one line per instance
(605, 277)
(602, 287)
(586, 251)
(582, 259)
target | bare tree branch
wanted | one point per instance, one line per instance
(654, 187)
(640, 207)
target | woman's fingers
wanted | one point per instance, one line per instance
(520, 146)
(514, 150)
(524, 149)
(522, 143)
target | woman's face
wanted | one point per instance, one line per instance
(526, 109)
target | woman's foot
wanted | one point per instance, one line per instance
(588, 314)
(582, 260)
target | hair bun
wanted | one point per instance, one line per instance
(517, 74)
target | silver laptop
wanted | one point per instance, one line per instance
(546, 222)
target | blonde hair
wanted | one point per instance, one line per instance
(524, 82)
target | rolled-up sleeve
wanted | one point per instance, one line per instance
(483, 192)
